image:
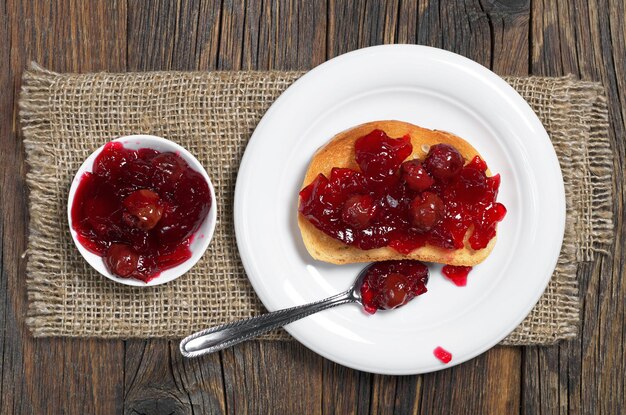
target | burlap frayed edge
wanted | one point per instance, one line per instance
(593, 238)
(42, 315)
(589, 218)
(589, 169)
(593, 229)
(602, 181)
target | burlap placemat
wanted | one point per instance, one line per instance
(67, 116)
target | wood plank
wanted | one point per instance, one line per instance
(252, 37)
(584, 38)
(408, 394)
(158, 379)
(345, 390)
(613, 385)
(167, 35)
(207, 40)
(285, 35)
(151, 35)
(10, 186)
(312, 21)
(46, 375)
(487, 384)
(553, 51)
(273, 377)
(231, 35)
(408, 15)
(353, 25)
(548, 58)
(383, 396)
(462, 27)
(186, 36)
(467, 29)
(509, 25)
(484, 32)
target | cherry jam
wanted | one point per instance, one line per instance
(139, 209)
(442, 354)
(456, 274)
(391, 284)
(405, 204)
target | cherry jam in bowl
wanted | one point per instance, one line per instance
(142, 210)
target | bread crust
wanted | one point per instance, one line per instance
(339, 152)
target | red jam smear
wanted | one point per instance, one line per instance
(391, 284)
(442, 354)
(405, 204)
(457, 274)
(139, 209)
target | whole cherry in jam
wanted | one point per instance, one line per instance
(427, 210)
(416, 176)
(443, 161)
(143, 209)
(443, 200)
(139, 209)
(394, 291)
(358, 211)
(168, 169)
(122, 260)
(391, 284)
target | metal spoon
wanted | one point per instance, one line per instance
(221, 337)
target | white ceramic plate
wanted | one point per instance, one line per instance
(434, 89)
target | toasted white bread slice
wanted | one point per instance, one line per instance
(339, 152)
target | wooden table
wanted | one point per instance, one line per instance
(539, 37)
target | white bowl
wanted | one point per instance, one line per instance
(198, 244)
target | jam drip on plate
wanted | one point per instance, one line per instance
(139, 210)
(391, 284)
(442, 354)
(405, 204)
(456, 274)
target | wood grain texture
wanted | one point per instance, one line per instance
(542, 37)
(586, 375)
(469, 29)
(157, 379)
(259, 377)
(49, 375)
(184, 35)
(264, 377)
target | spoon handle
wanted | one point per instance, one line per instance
(220, 337)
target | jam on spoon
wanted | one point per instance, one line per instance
(391, 284)
(139, 209)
